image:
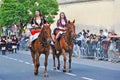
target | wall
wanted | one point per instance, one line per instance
(92, 15)
(117, 16)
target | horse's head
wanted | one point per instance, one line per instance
(71, 27)
(46, 31)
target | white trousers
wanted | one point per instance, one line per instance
(33, 37)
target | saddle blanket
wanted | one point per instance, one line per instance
(34, 34)
(58, 34)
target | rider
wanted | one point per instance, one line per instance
(61, 25)
(36, 23)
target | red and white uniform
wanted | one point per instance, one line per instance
(35, 32)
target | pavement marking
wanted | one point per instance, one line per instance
(21, 61)
(26, 62)
(32, 64)
(14, 59)
(57, 70)
(86, 78)
(10, 58)
(71, 74)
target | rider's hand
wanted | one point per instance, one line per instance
(36, 25)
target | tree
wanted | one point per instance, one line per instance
(18, 11)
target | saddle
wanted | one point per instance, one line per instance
(59, 33)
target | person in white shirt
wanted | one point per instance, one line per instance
(105, 33)
(81, 37)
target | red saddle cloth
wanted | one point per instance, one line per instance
(34, 31)
(54, 36)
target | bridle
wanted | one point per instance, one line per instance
(44, 41)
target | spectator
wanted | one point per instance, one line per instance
(94, 45)
(15, 41)
(0, 43)
(88, 32)
(80, 38)
(102, 37)
(105, 33)
(76, 51)
(9, 44)
(112, 55)
(3, 46)
(83, 32)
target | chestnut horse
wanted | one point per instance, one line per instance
(65, 44)
(39, 46)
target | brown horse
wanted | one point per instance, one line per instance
(65, 44)
(39, 46)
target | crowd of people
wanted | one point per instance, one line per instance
(13, 43)
(8, 44)
(104, 46)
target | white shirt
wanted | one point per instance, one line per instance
(105, 34)
(81, 38)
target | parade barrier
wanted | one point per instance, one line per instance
(100, 50)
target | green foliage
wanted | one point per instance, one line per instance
(17, 11)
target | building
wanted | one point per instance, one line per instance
(92, 15)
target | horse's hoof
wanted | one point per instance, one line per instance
(70, 70)
(35, 73)
(54, 68)
(58, 68)
(46, 75)
(64, 70)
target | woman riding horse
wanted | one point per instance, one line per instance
(41, 44)
(36, 23)
(61, 26)
(64, 42)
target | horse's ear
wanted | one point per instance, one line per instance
(69, 22)
(74, 21)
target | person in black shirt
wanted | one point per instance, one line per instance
(3, 46)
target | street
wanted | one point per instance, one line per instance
(20, 67)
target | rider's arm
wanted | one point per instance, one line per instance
(58, 23)
(32, 22)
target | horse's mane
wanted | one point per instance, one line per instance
(41, 35)
(68, 32)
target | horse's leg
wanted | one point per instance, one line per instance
(37, 63)
(58, 58)
(70, 60)
(33, 55)
(54, 59)
(64, 57)
(45, 64)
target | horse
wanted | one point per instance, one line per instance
(65, 44)
(41, 46)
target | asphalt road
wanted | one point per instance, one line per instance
(20, 67)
